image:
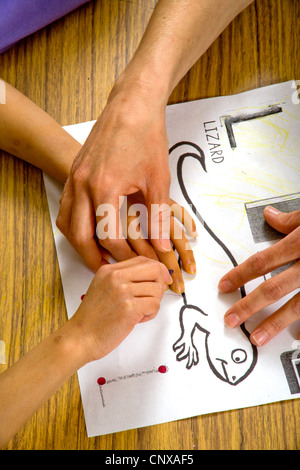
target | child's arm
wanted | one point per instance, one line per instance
(29, 133)
(120, 296)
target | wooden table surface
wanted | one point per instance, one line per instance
(68, 69)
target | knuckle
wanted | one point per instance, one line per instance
(114, 277)
(95, 184)
(295, 306)
(246, 310)
(294, 241)
(105, 270)
(78, 176)
(127, 305)
(275, 325)
(103, 181)
(122, 289)
(291, 219)
(150, 261)
(144, 259)
(273, 290)
(258, 263)
(77, 239)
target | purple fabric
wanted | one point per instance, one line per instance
(19, 18)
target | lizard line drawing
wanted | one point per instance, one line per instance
(230, 357)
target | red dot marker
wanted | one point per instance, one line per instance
(162, 369)
(101, 381)
(82, 297)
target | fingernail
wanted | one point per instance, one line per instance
(165, 245)
(191, 268)
(179, 287)
(272, 210)
(232, 320)
(260, 337)
(225, 286)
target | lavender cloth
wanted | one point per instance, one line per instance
(19, 18)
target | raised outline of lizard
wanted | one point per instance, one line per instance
(238, 355)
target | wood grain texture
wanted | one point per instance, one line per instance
(68, 69)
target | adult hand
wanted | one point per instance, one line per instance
(182, 226)
(283, 252)
(120, 296)
(126, 152)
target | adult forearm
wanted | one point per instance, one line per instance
(179, 32)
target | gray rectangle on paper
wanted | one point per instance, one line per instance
(260, 230)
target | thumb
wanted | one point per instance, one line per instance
(159, 216)
(284, 222)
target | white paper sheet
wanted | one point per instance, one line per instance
(249, 151)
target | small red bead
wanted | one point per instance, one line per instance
(101, 381)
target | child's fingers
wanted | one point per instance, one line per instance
(170, 261)
(184, 218)
(147, 307)
(181, 244)
(141, 269)
(141, 246)
(185, 253)
(147, 289)
(82, 235)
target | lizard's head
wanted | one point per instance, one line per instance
(236, 362)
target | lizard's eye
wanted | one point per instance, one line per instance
(238, 356)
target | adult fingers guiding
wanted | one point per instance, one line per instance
(261, 263)
(80, 228)
(284, 222)
(109, 230)
(278, 321)
(159, 214)
(266, 294)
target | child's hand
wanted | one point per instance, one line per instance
(120, 296)
(283, 252)
(144, 245)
